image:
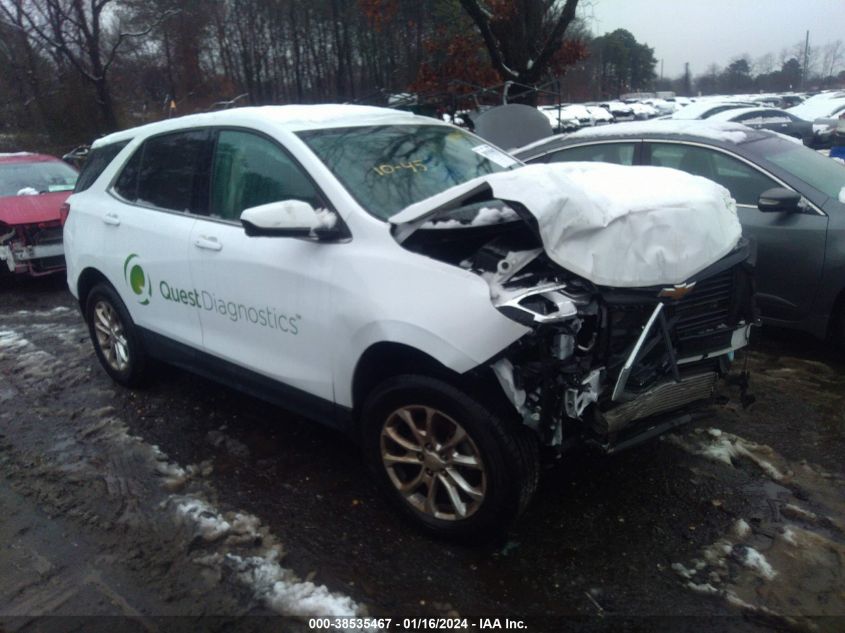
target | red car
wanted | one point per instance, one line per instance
(33, 188)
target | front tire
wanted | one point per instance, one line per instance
(115, 337)
(444, 460)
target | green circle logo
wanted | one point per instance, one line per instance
(137, 279)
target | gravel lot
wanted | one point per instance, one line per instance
(187, 498)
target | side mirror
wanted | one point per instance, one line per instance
(287, 218)
(778, 199)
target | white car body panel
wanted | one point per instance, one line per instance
(353, 294)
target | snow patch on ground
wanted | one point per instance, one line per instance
(741, 529)
(209, 525)
(703, 588)
(236, 540)
(787, 561)
(842, 195)
(756, 562)
(257, 564)
(281, 591)
(789, 536)
(33, 364)
(729, 449)
(10, 340)
(233, 539)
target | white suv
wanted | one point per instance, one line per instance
(402, 280)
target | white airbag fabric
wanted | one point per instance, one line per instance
(617, 225)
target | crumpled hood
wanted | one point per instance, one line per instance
(31, 209)
(613, 225)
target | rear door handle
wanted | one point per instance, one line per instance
(207, 243)
(112, 219)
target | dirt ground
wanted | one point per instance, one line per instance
(189, 499)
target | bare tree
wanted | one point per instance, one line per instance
(764, 64)
(832, 55)
(522, 37)
(86, 33)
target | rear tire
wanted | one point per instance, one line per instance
(115, 337)
(449, 464)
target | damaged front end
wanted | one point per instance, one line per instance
(33, 249)
(635, 304)
(617, 366)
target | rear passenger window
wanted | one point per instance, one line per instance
(96, 163)
(170, 172)
(127, 183)
(744, 182)
(618, 153)
(250, 170)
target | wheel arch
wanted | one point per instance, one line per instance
(384, 359)
(89, 278)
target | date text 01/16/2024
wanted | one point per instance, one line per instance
(415, 624)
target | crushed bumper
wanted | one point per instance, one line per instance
(41, 258)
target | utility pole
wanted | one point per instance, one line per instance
(804, 65)
(661, 69)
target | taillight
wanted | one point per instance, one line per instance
(64, 212)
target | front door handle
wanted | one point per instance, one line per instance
(207, 243)
(111, 219)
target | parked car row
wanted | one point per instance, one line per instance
(812, 120)
(824, 111)
(570, 117)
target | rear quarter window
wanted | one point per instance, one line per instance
(617, 153)
(170, 171)
(99, 158)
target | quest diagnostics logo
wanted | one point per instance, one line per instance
(261, 314)
(137, 279)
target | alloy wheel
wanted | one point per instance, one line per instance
(111, 337)
(433, 462)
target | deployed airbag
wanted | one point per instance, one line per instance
(613, 225)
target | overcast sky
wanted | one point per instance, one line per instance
(703, 32)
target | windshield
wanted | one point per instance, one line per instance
(20, 179)
(387, 168)
(820, 172)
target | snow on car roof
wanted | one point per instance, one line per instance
(288, 117)
(695, 110)
(729, 115)
(725, 132)
(818, 109)
(578, 110)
